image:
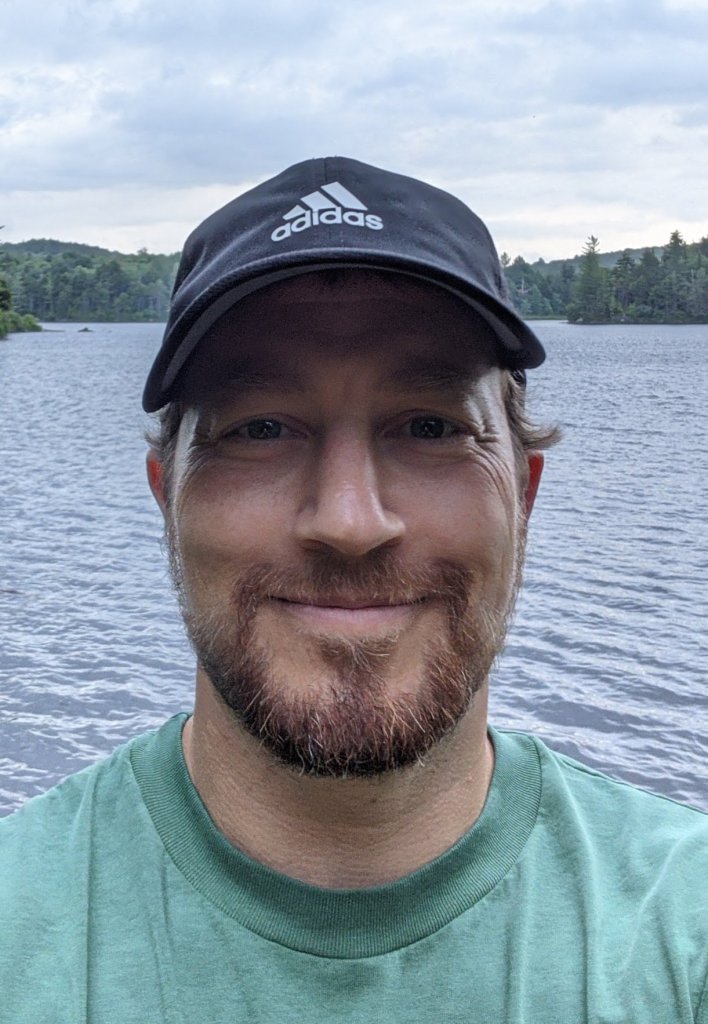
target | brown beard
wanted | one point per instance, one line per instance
(358, 729)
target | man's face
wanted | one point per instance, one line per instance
(345, 523)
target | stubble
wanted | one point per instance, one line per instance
(354, 726)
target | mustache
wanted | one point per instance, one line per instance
(376, 578)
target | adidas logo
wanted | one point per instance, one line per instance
(331, 204)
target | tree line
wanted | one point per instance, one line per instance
(69, 281)
(626, 287)
(59, 281)
(10, 318)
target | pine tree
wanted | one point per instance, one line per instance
(591, 294)
(623, 283)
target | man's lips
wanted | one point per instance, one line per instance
(350, 603)
(351, 614)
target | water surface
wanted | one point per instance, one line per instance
(607, 656)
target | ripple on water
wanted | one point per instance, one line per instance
(606, 659)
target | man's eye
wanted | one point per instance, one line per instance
(262, 430)
(431, 427)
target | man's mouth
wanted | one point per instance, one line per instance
(351, 614)
(352, 603)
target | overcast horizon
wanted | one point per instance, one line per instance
(124, 122)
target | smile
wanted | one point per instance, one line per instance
(351, 616)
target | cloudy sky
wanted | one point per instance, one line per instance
(124, 122)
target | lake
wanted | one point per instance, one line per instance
(606, 659)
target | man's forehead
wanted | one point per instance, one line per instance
(410, 372)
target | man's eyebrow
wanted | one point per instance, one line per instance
(417, 376)
(245, 380)
(425, 375)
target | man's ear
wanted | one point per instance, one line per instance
(156, 479)
(535, 464)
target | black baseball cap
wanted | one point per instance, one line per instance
(326, 213)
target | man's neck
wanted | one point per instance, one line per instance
(336, 833)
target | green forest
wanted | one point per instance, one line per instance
(64, 281)
(47, 280)
(667, 284)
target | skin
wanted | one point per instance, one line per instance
(350, 375)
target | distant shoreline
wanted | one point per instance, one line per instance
(84, 326)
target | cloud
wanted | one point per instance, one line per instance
(571, 102)
(616, 23)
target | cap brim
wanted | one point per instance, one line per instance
(521, 347)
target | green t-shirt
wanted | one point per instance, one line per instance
(573, 898)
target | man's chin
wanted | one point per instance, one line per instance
(352, 742)
(347, 722)
(341, 703)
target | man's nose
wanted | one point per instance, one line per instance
(344, 507)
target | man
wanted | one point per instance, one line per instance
(346, 472)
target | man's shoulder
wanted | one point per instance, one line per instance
(66, 858)
(594, 784)
(608, 791)
(621, 822)
(63, 799)
(52, 829)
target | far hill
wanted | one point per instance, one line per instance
(72, 281)
(53, 247)
(664, 283)
(607, 259)
(658, 284)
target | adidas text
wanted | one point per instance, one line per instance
(311, 218)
